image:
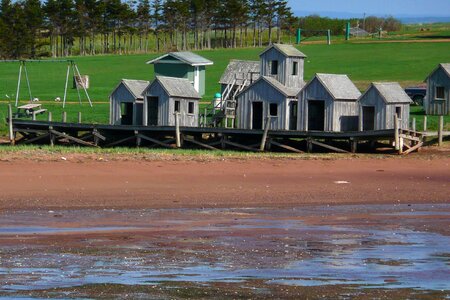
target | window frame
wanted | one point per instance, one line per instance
(436, 92)
(398, 111)
(295, 68)
(189, 108)
(271, 107)
(177, 103)
(273, 70)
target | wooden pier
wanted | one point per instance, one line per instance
(97, 135)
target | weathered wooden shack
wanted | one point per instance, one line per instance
(437, 99)
(186, 65)
(379, 105)
(285, 63)
(268, 97)
(274, 94)
(167, 95)
(328, 103)
(126, 102)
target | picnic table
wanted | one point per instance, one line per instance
(30, 110)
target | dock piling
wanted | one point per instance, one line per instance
(10, 125)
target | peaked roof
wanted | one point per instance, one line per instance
(177, 87)
(285, 49)
(186, 57)
(339, 86)
(444, 66)
(135, 87)
(391, 92)
(288, 92)
(240, 68)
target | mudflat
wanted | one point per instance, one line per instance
(80, 182)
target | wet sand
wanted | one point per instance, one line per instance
(74, 183)
(356, 251)
(359, 227)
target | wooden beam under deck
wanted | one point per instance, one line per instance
(103, 135)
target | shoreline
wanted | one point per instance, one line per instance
(98, 184)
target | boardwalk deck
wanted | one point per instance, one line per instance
(99, 135)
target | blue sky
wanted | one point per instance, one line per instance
(439, 8)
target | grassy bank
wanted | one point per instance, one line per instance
(407, 63)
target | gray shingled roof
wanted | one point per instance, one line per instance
(339, 86)
(178, 87)
(287, 50)
(392, 92)
(446, 67)
(288, 92)
(186, 57)
(242, 68)
(136, 87)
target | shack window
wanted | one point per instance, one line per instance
(295, 68)
(274, 67)
(440, 92)
(273, 108)
(398, 111)
(177, 106)
(190, 107)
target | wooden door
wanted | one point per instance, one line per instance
(316, 115)
(293, 112)
(368, 117)
(257, 115)
(152, 111)
(126, 112)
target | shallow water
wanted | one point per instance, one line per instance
(380, 246)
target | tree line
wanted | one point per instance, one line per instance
(31, 28)
(58, 28)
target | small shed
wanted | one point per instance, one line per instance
(126, 102)
(285, 63)
(267, 97)
(437, 99)
(238, 75)
(167, 95)
(186, 65)
(328, 103)
(379, 104)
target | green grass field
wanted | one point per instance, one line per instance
(407, 63)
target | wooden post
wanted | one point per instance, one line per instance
(413, 143)
(177, 129)
(49, 116)
(396, 133)
(424, 123)
(64, 117)
(33, 116)
(10, 125)
(353, 145)
(79, 117)
(52, 136)
(309, 145)
(440, 130)
(266, 131)
(138, 139)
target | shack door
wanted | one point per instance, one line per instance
(152, 111)
(316, 115)
(126, 113)
(293, 111)
(257, 115)
(368, 117)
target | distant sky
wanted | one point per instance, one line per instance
(439, 8)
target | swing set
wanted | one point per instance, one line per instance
(71, 66)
